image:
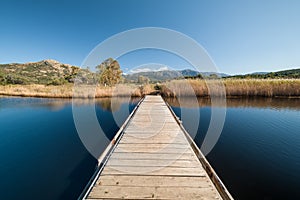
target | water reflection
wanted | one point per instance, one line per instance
(258, 153)
(258, 102)
(40, 148)
(113, 104)
(257, 156)
(55, 104)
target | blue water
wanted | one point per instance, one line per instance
(258, 153)
(41, 155)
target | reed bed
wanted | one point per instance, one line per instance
(69, 91)
(233, 87)
(174, 88)
(262, 87)
(63, 91)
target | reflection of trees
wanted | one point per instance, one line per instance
(105, 104)
(25, 102)
(114, 104)
(259, 102)
(110, 104)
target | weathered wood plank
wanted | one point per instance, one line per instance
(128, 192)
(153, 170)
(153, 141)
(152, 181)
(161, 136)
(153, 137)
(150, 163)
(154, 131)
(140, 129)
(153, 146)
(153, 150)
(153, 156)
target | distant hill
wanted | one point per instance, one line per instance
(154, 76)
(207, 74)
(52, 72)
(42, 72)
(157, 76)
(292, 73)
(259, 73)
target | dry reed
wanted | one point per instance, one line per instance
(233, 87)
(69, 91)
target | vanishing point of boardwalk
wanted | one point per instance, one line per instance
(154, 159)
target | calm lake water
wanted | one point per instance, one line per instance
(41, 154)
(42, 157)
(258, 153)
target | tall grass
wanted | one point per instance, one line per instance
(262, 87)
(69, 91)
(174, 88)
(63, 91)
(233, 87)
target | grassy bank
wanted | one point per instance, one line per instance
(69, 91)
(233, 87)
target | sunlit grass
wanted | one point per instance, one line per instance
(233, 87)
(69, 91)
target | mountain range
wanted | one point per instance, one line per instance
(55, 73)
(164, 75)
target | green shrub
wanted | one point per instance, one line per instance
(57, 81)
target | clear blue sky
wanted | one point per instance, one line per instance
(240, 36)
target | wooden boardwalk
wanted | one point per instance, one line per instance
(154, 159)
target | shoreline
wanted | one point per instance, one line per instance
(110, 96)
(204, 97)
(234, 88)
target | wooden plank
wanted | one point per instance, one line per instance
(140, 128)
(150, 140)
(165, 124)
(157, 139)
(155, 171)
(150, 163)
(154, 132)
(152, 181)
(129, 192)
(160, 131)
(153, 156)
(153, 146)
(153, 150)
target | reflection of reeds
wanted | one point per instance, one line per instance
(234, 87)
(257, 102)
(109, 103)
